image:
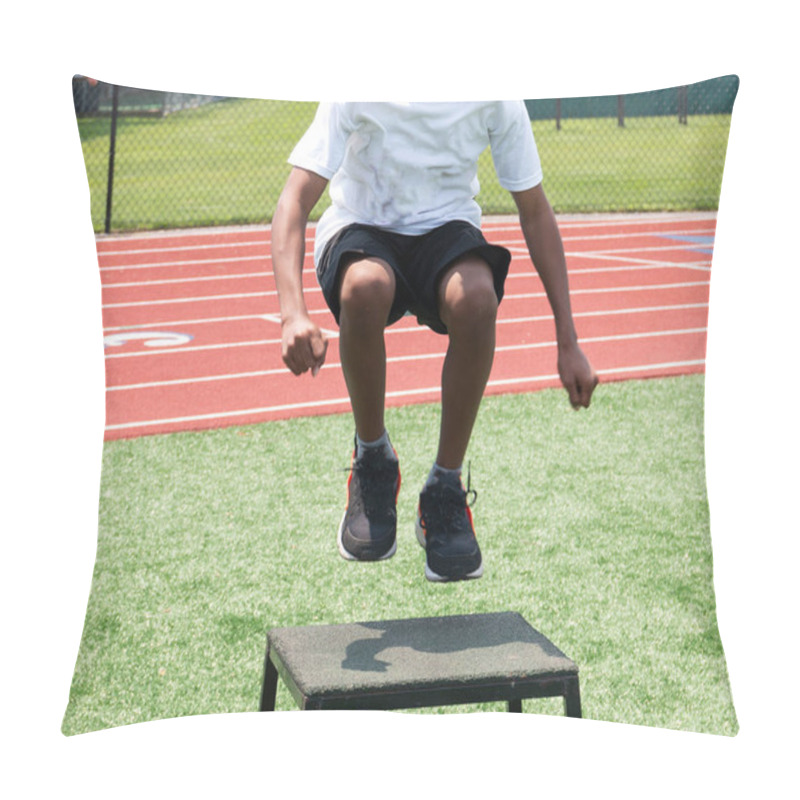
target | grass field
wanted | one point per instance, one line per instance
(594, 526)
(225, 163)
(652, 164)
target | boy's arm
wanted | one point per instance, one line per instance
(547, 253)
(304, 345)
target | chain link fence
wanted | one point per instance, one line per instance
(165, 160)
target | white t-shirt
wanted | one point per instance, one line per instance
(410, 167)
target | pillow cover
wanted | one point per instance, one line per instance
(223, 481)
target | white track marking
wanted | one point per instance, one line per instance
(615, 251)
(613, 337)
(227, 414)
(189, 279)
(204, 321)
(621, 337)
(603, 312)
(644, 267)
(494, 222)
(205, 298)
(639, 264)
(624, 258)
(609, 371)
(148, 338)
(388, 331)
(614, 289)
(643, 367)
(315, 290)
(261, 373)
(195, 348)
(489, 223)
(156, 264)
(276, 319)
(188, 233)
(487, 228)
(308, 405)
(516, 244)
(610, 221)
(646, 264)
(177, 248)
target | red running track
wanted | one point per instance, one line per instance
(192, 335)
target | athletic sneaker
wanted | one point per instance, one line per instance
(445, 530)
(368, 531)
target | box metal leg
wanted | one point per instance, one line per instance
(270, 686)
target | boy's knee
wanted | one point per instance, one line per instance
(366, 287)
(469, 299)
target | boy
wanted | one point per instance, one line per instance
(403, 234)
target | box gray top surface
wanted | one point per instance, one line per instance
(436, 651)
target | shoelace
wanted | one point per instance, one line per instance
(372, 471)
(445, 515)
(470, 490)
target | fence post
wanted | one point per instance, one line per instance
(558, 115)
(683, 105)
(111, 148)
(621, 110)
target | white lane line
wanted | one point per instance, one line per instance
(615, 289)
(195, 348)
(177, 248)
(487, 226)
(173, 323)
(641, 264)
(516, 244)
(519, 246)
(620, 337)
(276, 319)
(321, 311)
(312, 404)
(205, 298)
(156, 264)
(388, 331)
(233, 242)
(229, 414)
(645, 264)
(609, 371)
(602, 313)
(612, 220)
(593, 237)
(653, 249)
(188, 279)
(498, 221)
(313, 290)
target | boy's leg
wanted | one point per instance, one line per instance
(369, 525)
(468, 307)
(367, 291)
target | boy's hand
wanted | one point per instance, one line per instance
(577, 375)
(304, 345)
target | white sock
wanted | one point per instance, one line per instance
(442, 472)
(382, 442)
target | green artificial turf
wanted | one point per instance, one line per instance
(594, 526)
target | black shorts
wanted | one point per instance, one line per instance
(418, 263)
